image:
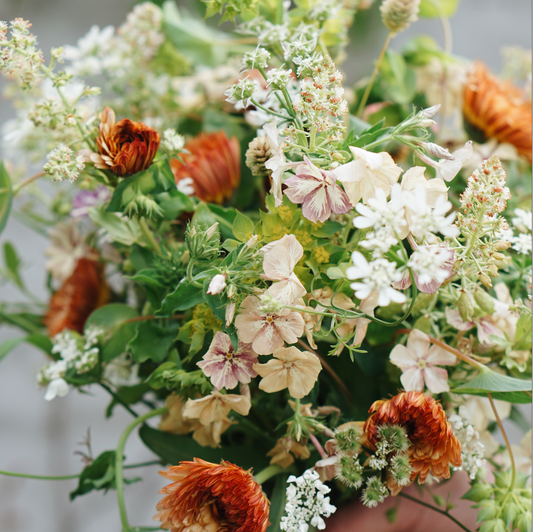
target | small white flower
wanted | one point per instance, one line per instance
(447, 169)
(61, 167)
(56, 388)
(258, 58)
(173, 142)
(522, 220)
(522, 243)
(217, 284)
(430, 263)
(378, 276)
(121, 371)
(278, 78)
(243, 91)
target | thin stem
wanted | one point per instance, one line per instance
(148, 318)
(268, 472)
(507, 444)
(456, 352)
(119, 458)
(27, 181)
(330, 370)
(38, 477)
(149, 237)
(118, 399)
(443, 512)
(143, 464)
(317, 445)
(373, 77)
(269, 111)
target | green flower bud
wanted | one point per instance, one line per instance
(465, 306)
(484, 301)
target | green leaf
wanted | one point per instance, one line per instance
(500, 386)
(523, 523)
(522, 338)
(149, 343)
(41, 341)
(398, 79)
(510, 512)
(174, 203)
(12, 262)
(6, 196)
(243, 227)
(173, 449)
(437, 8)
(519, 418)
(277, 502)
(487, 510)
(99, 475)
(184, 297)
(113, 318)
(478, 492)
(125, 232)
(8, 345)
(30, 323)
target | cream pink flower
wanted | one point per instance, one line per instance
(485, 326)
(368, 172)
(267, 331)
(217, 284)
(290, 368)
(225, 367)
(278, 265)
(317, 191)
(215, 407)
(418, 362)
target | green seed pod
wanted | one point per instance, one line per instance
(465, 306)
(484, 301)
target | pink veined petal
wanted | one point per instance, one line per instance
(440, 357)
(413, 380)
(485, 328)
(338, 199)
(316, 207)
(454, 319)
(267, 340)
(403, 358)
(418, 343)
(299, 188)
(221, 343)
(430, 287)
(404, 283)
(249, 327)
(436, 379)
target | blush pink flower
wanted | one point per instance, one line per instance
(278, 265)
(317, 191)
(267, 331)
(485, 326)
(418, 362)
(225, 367)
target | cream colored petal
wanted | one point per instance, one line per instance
(413, 177)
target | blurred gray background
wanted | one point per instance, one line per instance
(39, 437)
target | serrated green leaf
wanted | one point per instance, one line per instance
(184, 297)
(500, 386)
(437, 8)
(150, 342)
(6, 196)
(487, 526)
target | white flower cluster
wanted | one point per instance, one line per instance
(522, 223)
(75, 352)
(172, 142)
(142, 30)
(257, 58)
(429, 263)
(472, 450)
(19, 54)
(61, 167)
(88, 58)
(307, 503)
(243, 91)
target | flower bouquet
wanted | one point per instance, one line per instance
(321, 291)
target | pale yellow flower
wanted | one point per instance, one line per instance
(292, 369)
(216, 407)
(281, 453)
(367, 173)
(209, 435)
(174, 421)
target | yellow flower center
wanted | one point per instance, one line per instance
(422, 364)
(230, 355)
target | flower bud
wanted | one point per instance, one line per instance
(485, 302)
(217, 284)
(349, 471)
(485, 280)
(502, 245)
(437, 151)
(397, 15)
(465, 305)
(430, 112)
(230, 313)
(493, 270)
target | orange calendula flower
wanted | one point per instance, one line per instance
(84, 291)
(124, 147)
(433, 446)
(214, 165)
(206, 497)
(498, 108)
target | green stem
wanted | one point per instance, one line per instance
(268, 472)
(507, 444)
(118, 399)
(119, 458)
(38, 477)
(27, 181)
(269, 111)
(443, 512)
(364, 99)
(148, 236)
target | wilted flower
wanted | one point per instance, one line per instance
(267, 331)
(224, 366)
(259, 151)
(367, 173)
(418, 363)
(213, 164)
(499, 109)
(173, 421)
(278, 265)
(286, 447)
(317, 191)
(210, 497)
(124, 147)
(84, 291)
(433, 445)
(290, 368)
(215, 407)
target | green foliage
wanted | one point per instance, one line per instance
(184, 297)
(6, 196)
(123, 231)
(99, 475)
(277, 499)
(186, 384)
(437, 8)
(12, 262)
(150, 342)
(398, 80)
